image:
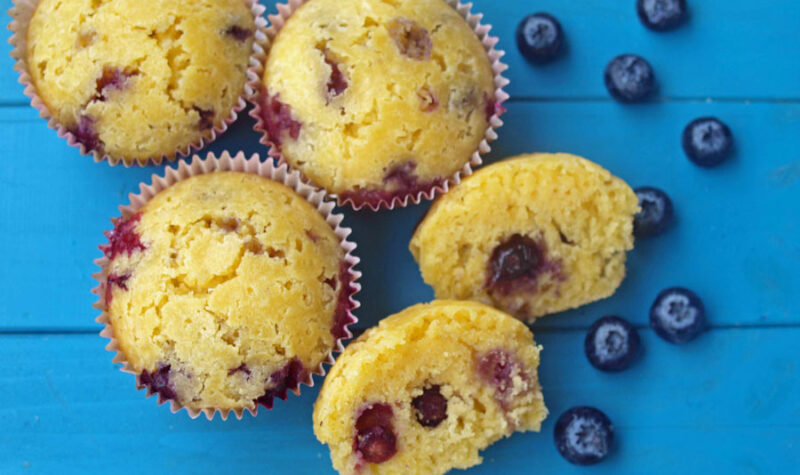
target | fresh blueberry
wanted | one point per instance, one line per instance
(677, 315)
(707, 141)
(539, 37)
(629, 78)
(612, 344)
(584, 435)
(656, 213)
(661, 15)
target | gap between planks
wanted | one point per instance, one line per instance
(601, 99)
(659, 100)
(358, 331)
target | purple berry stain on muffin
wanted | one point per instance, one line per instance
(430, 407)
(492, 107)
(399, 181)
(402, 175)
(285, 379)
(427, 99)
(330, 282)
(206, 120)
(158, 382)
(123, 238)
(278, 120)
(242, 368)
(341, 316)
(498, 368)
(337, 83)
(375, 440)
(85, 134)
(238, 33)
(112, 78)
(112, 280)
(411, 39)
(516, 264)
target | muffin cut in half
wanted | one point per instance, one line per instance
(428, 388)
(530, 235)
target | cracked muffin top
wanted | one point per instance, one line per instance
(530, 235)
(225, 290)
(374, 100)
(139, 79)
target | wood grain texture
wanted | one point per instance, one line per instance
(725, 404)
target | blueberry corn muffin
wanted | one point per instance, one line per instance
(374, 100)
(428, 388)
(530, 235)
(225, 291)
(139, 79)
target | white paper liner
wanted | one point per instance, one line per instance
(240, 163)
(254, 90)
(21, 14)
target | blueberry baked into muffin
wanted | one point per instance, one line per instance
(530, 235)
(226, 290)
(140, 79)
(428, 388)
(376, 100)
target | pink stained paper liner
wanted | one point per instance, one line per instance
(21, 14)
(240, 163)
(254, 91)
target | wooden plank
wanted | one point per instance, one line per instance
(728, 49)
(735, 223)
(727, 403)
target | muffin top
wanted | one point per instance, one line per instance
(531, 235)
(428, 388)
(225, 290)
(375, 99)
(139, 79)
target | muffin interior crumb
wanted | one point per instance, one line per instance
(428, 388)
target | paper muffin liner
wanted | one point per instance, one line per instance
(266, 169)
(255, 90)
(21, 14)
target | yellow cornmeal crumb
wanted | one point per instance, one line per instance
(233, 272)
(580, 215)
(441, 343)
(351, 141)
(181, 67)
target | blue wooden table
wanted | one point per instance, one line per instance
(728, 402)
